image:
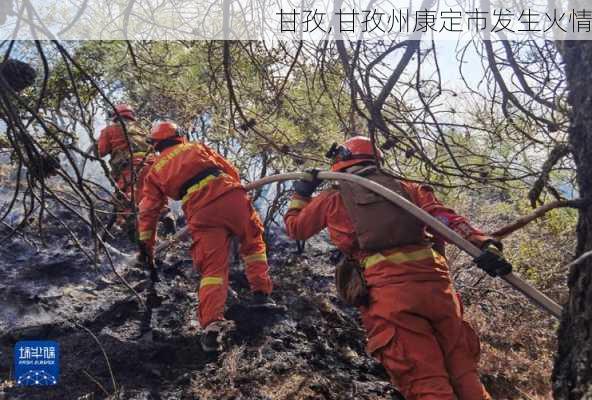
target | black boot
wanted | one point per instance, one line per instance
(209, 341)
(263, 299)
(215, 335)
(264, 302)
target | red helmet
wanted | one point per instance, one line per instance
(123, 111)
(354, 151)
(162, 130)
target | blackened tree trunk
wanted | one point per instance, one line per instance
(572, 377)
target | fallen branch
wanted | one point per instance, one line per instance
(113, 382)
(96, 382)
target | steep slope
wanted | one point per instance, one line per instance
(311, 350)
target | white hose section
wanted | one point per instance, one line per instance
(451, 236)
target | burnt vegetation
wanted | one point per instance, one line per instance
(496, 146)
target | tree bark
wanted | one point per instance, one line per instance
(572, 375)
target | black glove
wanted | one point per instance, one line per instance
(483, 241)
(493, 262)
(146, 258)
(306, 188)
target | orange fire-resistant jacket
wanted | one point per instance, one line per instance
(307, 216)
(112, 141)
(171, 170)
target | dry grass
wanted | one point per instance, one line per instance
(516, 355)
(232, 361)
(290, 387)
(518, 341)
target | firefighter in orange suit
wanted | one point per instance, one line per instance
(413, 316)
(126, 154)
(217, 207)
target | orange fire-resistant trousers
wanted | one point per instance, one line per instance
(416, 330)
(212, 228)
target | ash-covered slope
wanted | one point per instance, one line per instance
(312, 350)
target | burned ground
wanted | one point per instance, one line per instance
(314, 349)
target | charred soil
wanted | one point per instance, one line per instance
(312, 347)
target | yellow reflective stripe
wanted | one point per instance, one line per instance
(372, 260)
(139, 154)
(199, 185)
(145, 235)
(255, 257)
(398, 257)
(210, 280)
(297, 204)
(174, 153)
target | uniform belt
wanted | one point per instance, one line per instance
(197, 182)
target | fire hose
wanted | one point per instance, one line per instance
(533, 294)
